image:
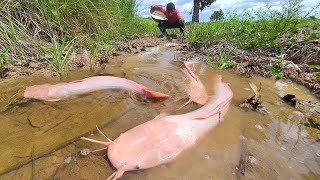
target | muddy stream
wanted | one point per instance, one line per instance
(41, 140)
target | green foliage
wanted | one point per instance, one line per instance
(224, 61)
(315, 67)
(201, 33)
(275, 72)
(145, 25)
(97, 47)
(281, 59)
(317, 74)
(15, 36)
(205, 3)
(312, 36)
(57, 57)
(4, 60)
(262, 28)
(217, 15)
(23, 23)
(312, 17)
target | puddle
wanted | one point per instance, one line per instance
(40, 140)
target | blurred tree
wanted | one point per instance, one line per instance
(217, 16)
(312, 17)
(200, 5)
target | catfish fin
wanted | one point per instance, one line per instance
(77, 81)
(53, 100)
(155, 95)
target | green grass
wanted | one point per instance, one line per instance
(275, 72)
(59, 54)
(4, 60)
(261, 28)
(317, 74)
(224, 61)
(28, 26)
(246, 32)
(255, 29)
(315, 68)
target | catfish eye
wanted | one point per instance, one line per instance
(137, 167)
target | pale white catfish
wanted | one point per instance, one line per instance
(163, 138)
(56, 92)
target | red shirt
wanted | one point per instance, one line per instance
(173, 18)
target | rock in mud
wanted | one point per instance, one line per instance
(85, 152)
(310, 109)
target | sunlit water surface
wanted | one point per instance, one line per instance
(40, 140)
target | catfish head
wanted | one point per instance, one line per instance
(144, 146)
(37, 92)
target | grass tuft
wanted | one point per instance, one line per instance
(28, 26)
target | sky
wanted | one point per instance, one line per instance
(236, 6)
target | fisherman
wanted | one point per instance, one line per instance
(174, 19)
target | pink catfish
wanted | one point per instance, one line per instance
(196, 89)
(163, 138)
(62, 91)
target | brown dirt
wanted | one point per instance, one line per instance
(248, 61)
(254, 61)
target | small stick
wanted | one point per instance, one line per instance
(33, 170)
(241, 168)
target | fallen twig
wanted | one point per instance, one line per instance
(241, 168)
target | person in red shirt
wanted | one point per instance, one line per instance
(174, 18)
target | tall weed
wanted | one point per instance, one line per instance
(224, 61)
(24, 25)
(275, 72)
(15, 36)
(57, 57)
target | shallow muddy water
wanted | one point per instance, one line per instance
(40, 140)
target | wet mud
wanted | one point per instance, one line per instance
(41, 140)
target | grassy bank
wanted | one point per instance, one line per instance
(263, 28)
(247, 33)
(51, 29)
(266, 28)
